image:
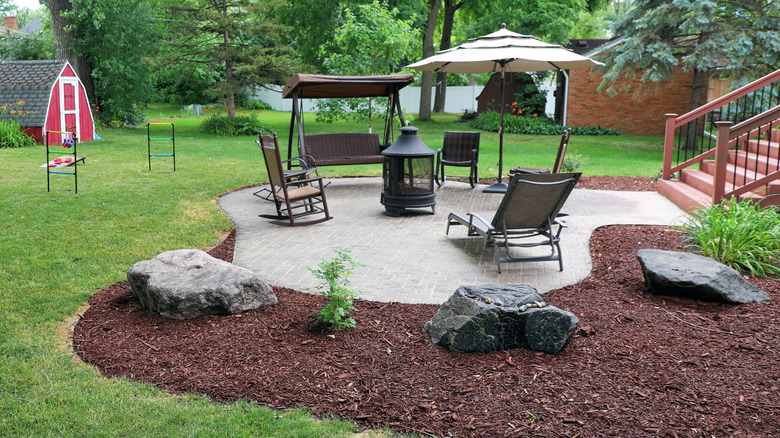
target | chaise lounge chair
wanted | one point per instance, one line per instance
(529, 210)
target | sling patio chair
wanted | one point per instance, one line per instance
(558, 158)
(298, 168)
(293, 198)
(458, 149)
(526, 217)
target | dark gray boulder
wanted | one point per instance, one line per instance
(682, 274)
(500, 317)
(188, 283)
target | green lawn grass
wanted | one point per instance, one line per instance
(58, 248)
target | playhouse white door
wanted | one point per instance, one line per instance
(69, 105)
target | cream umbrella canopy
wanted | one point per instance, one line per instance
(503, 51)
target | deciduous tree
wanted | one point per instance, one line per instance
(373, 40)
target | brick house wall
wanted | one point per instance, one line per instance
(641, 110)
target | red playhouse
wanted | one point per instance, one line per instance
(45, 96)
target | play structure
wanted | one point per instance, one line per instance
(68, 157)
(165, 138)
(343, 148)
(46, 97)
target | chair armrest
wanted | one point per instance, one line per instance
(308, 158)
(296, 162)
(302, 182)
(473, 216)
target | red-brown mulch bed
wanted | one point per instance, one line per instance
(638, 365)
(632, 183)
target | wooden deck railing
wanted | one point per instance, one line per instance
(707, 132)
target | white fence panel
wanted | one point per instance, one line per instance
(459, 99)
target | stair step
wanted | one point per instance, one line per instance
(683, 195)
(752, 161)
(743, 177)
(704, 182)
(775, 135)
(698, 180)
(764, 148)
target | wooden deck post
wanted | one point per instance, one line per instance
(721, 159)
(668, 146)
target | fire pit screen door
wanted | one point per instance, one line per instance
(408, 174)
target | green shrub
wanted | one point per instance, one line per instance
(531, 125)
(256, 105)
(571, 162)
(336, 275)
(737, 233)
(232, 126)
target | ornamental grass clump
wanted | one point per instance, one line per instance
(737, 233)
(336, 274)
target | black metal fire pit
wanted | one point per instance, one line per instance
(408, 174)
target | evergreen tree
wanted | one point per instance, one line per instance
(239, 39)
(738, 37)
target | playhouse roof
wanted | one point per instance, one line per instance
(30, 82)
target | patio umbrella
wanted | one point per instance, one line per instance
(505, 52)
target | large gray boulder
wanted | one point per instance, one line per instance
(682, 274)
(500, 317)
(188, 283)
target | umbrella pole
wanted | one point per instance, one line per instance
(500, 186)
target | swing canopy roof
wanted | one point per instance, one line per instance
(323, 86)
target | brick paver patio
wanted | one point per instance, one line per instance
(409, 258)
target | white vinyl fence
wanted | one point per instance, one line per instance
(459, 99)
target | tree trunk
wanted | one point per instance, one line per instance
(697, 87)
(230, 95)
(693, 131)
(63, 40)
(428, 50)
(450, 7)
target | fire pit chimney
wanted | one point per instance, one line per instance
(407, 173)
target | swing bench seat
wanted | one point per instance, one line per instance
(342, 149)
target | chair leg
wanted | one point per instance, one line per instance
(436, 170)
(498, 255)
(325, 205)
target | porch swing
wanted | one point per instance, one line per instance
(340, 149)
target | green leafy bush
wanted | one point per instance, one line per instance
(531, 125)
(232, 126)
(256, 105)
(737, 233)
(336, 275)
(572, 162)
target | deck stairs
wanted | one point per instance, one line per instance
(725, 159)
